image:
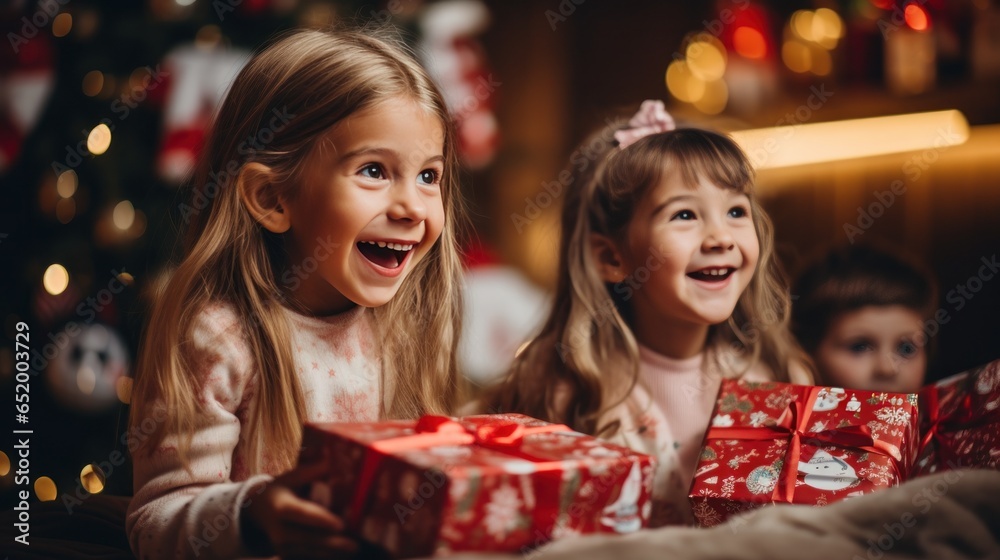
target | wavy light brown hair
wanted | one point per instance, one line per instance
(587, 346)
(318, 78)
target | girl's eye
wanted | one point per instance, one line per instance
(859, 347)
(738, 212)
(683, 215)
(906, 349)
(429, 177)
(372, 171)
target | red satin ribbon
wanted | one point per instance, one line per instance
(935, 418)
(961, 417)
(793, 425)
(436, 431)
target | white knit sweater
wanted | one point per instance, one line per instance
(180, 514)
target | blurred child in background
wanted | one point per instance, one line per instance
(861, 313)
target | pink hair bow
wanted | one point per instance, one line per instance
(651, 118)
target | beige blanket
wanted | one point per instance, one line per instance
(946, 516)
(952, 515)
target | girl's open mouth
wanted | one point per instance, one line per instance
(712, 274)
(384, 254)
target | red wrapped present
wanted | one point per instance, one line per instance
(960, 421)
(781, 443)
(479, 483)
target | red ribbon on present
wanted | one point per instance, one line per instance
(962, 416)
(936, 421)
(793, 426)
(435, 431)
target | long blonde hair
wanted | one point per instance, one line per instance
(586, 359)
(316, 79)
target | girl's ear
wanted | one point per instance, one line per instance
(258, 195)
(610, 266)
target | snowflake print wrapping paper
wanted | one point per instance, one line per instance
(960, 421)
(781, 443)
(503, 482)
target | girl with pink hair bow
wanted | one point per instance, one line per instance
(667, 285)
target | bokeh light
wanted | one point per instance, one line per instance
(749, 43)
(827, 23)
(715, 98)
(796, 56)
(123, 215)
(99, 139)
(92, 478)
(802, 24)
(916, 17)
(66, 183)
(822, 27)
(45, 489)
(706, 58)
(682, 83)
(56, 279)
(62, 24)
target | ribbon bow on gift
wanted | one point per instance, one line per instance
(793, 426)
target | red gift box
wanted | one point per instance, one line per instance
(781, 443)
(960, 421)
(479, 483)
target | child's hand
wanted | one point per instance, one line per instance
(294, 527)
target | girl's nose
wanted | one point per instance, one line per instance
(407, 204)
(718, 238)
(886, 366)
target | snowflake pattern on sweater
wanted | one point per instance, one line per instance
(179, 514)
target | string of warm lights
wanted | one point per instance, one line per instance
(92, 478)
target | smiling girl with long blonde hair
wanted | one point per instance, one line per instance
(320, 283)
